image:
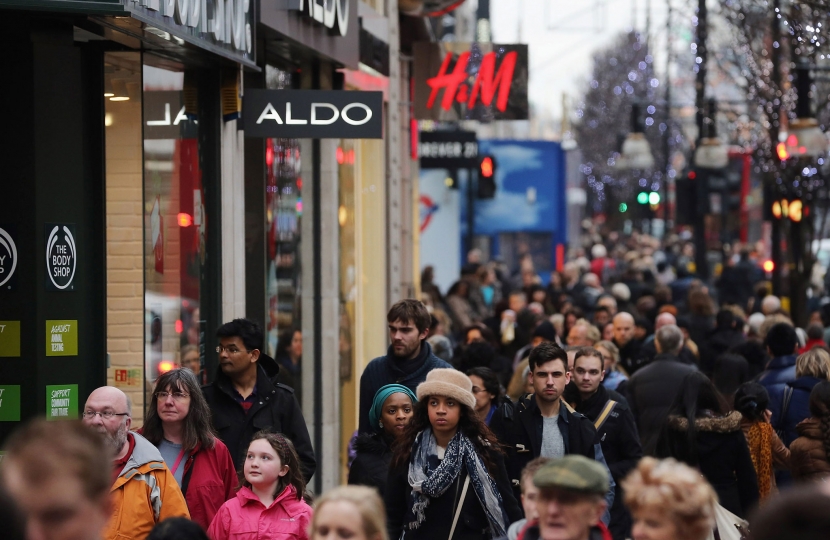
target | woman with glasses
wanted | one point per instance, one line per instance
(178, 423)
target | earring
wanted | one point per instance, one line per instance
(380, 424)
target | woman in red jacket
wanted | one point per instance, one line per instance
(178, 423)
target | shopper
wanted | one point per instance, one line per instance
(178, 424)
(269, 505)
(530, 494)
(390, 414)
(448, 478)
(810, 451)
(349, 512)
(669, 501)
(487, 390)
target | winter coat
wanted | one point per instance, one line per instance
(720, 340)
(245, 518)
(385, 370)
(798, 410)
(371, 465)
(648, 352)
(808, 456)
(631, 356)
(722, 457)
(519, 427)
(779, 371)
(620, 444)
(651, 392)
(472, 523)
(144, 493)
(276, 410)
(209, 479)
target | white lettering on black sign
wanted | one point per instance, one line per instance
(61, 255)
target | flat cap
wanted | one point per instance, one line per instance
(573, 472)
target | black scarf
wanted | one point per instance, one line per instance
(591, 407)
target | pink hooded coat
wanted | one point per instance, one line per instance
(245, 518)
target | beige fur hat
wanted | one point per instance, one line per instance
(449, 383)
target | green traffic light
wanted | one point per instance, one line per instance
(623, 207)
(654, 198)
(642, 197)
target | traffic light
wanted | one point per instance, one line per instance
(642, 197)
(794, 210)
(487, 177)
(648, 197)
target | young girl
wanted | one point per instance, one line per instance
(269, 505)
(448, 480)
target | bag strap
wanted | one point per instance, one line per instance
(603, 416)
(460, 504)
(788, 394)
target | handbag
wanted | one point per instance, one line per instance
(458, 508)
(728, 526)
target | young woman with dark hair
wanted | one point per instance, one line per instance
(448, 479)
(810, 452)
(697, 433)
(178, 424)
(487, 391)
(767, 451)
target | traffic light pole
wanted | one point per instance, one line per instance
(775, 126)
(701, 191)
(471, 210)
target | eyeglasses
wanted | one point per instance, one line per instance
(107, 415)
(178, 396)
(476, 389)
(231, 349)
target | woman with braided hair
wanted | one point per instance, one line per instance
(765, 448)
(810, 451)
(448, 480)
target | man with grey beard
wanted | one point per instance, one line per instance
(144, 490)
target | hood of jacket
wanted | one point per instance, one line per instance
(710, 423)
(804, 383)
(287, 499)
(810, 428)
(782, 362)
(372, 443)
(144, 453)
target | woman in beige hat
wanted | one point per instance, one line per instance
(448, 480)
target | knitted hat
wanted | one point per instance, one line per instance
(448, 382)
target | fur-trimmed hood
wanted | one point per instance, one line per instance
(710, 423)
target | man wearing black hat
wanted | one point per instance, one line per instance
(570, 502)
(245, 397)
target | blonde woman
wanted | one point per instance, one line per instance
(614, 373)
(669, 501)
(353, 512)
(790, 403)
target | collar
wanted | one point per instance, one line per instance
(780, 362)
(287, 499)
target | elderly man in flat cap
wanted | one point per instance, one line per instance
(571, 501)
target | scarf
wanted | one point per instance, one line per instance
(759, 438)
(428, 482)
(591, 407)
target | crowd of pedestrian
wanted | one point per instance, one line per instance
(618, 398)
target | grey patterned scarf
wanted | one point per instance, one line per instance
(428, 483)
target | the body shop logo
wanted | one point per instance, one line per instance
(8, 257)
(61, 256)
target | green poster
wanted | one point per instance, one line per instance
(10, 403)
(61, 338)
(61, 401)
(10, 338)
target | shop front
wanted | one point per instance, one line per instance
(114, 155)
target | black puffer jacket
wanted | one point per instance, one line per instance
(371, 464)
(722, 457)
(276, 410)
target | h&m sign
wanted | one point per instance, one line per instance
(313, 114)
(470, 81)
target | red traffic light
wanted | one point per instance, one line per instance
(488, 167)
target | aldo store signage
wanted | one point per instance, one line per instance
(61, 257)
(470, 81)
(313, 114)
(8, 258)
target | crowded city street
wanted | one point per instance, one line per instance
(415, 270)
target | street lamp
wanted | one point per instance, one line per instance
(636, 152)
(711, 153)
(806, 139)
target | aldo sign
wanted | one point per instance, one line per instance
(313, 114)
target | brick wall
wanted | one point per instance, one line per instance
(125, 274)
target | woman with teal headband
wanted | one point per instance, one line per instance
(389, 415)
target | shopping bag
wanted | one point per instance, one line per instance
(728, 526)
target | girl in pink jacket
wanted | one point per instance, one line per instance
(269, 505)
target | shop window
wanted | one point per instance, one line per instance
(283, 215)
(175, 222)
